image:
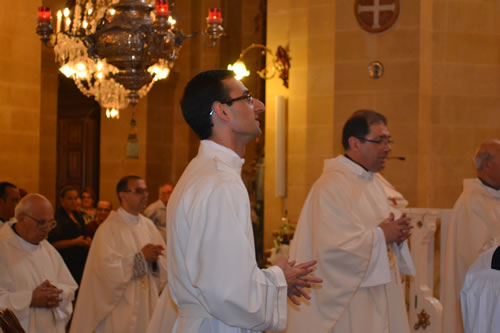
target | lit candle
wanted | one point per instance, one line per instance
(43, 14)
(59, 20)
(67, 24)
(214, 16)
(161, 8)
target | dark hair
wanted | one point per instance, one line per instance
(66, 189)
(199, 95)
(89, 191)
(122, 185)
(358, 125)
(3, 189)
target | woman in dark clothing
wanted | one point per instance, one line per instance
(69, 237)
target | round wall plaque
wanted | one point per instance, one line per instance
(376, 15)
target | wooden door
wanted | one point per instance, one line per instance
(78, 138)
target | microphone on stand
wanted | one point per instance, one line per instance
(400, 158)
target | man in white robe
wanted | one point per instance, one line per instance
(34, 281)
(474, 227)
(480, 295)
(125, 270)
(213, 275)
(157, 211)
(359, 240)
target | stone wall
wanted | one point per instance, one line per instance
(20, 95)
(440, 93)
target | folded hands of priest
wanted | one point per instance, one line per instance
(46, 295)
(396, 230)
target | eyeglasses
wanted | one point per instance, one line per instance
(382, 141)
(245, 95)
(42, 223)
(139, 190)
(103, 209)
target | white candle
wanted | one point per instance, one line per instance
(280, 146)
(68, 22)
(59, 20)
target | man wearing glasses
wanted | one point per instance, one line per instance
(360, 243)
(103, 210)
(125, 270)
(213, 275)
(34, 281)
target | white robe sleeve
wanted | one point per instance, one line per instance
(18, 301)
(68, 285)
(405, 261)
(221, 264)
(114, 272)
(378, 272)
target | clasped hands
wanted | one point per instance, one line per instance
(396, 230)
(46, 295)
(297, 277)
(152, 252)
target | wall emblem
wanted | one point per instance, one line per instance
(376, 15)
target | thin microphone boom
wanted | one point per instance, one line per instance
(400, 158)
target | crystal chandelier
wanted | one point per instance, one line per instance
(115, 50)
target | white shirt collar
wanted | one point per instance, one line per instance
(226, 155)
(25, 244)
(344, 162)
(127, 217)
(475, 184)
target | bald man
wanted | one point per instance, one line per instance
(157, 211)
(37, 286)
(474, 228)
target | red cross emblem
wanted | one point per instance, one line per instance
(376, 15)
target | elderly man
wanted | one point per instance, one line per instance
(157, 211)
(125, 270)
(213, 275)
(9, 197)
(34, 283)
(474, 227)
(359, 240)
(103, 209)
